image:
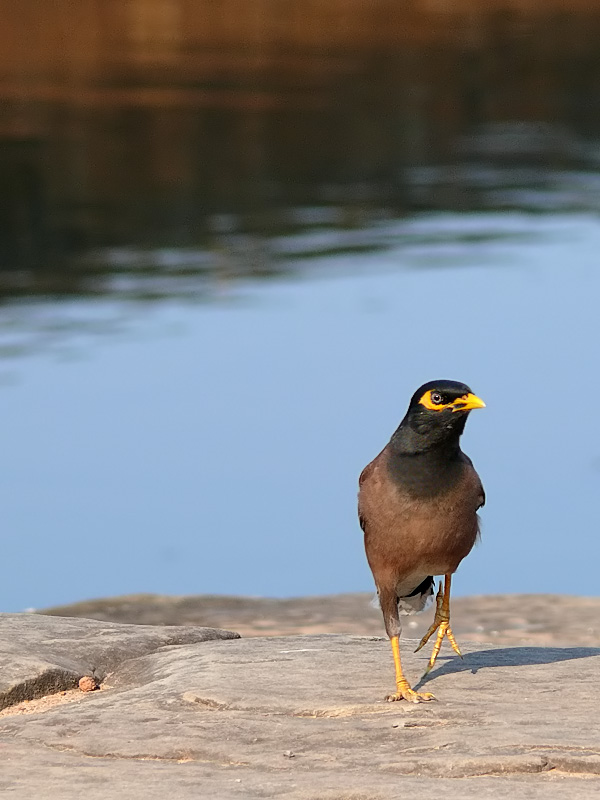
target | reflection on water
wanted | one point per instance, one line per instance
(132, 277)
(213, 126)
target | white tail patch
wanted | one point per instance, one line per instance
(413, 604)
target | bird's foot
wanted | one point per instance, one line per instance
(404, 692)
(439, 617)
(443, 628)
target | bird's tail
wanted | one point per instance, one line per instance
(418, 599)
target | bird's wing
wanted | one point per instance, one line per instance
(365, 473)
(481, 502)
(482, 497)
(364, 476)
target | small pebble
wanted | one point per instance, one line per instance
(87, 683)
(289, 754)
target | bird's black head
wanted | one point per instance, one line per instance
(436, 415)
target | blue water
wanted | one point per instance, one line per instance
(215, 447)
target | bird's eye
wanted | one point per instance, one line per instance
(436, 398)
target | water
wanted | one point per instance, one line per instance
(236, 237)
(214, 446)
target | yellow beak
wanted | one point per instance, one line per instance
(467, 403)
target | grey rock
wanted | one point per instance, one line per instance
(510, 619)
(297, 717)
(41, 655)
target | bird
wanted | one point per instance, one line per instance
(417, 506)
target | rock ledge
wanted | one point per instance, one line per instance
(195, 712)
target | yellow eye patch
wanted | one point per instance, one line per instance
(465, 403)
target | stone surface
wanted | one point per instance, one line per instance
(543, 619)
(300, 717)
(40, 655)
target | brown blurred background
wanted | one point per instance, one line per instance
(144, 120)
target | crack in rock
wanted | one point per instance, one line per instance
(580, 765)
(209, 704)
(179, 758)
(472, 766)
(206, 702)
(48, 683)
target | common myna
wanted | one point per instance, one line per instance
(417, 505)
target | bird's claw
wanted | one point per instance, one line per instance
(410, 695)
(443, 629)
(438, 622)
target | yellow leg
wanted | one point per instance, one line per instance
(441, 624)
(403, 690)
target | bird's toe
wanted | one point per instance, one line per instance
(410, 695)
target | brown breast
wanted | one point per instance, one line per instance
(407, 537)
